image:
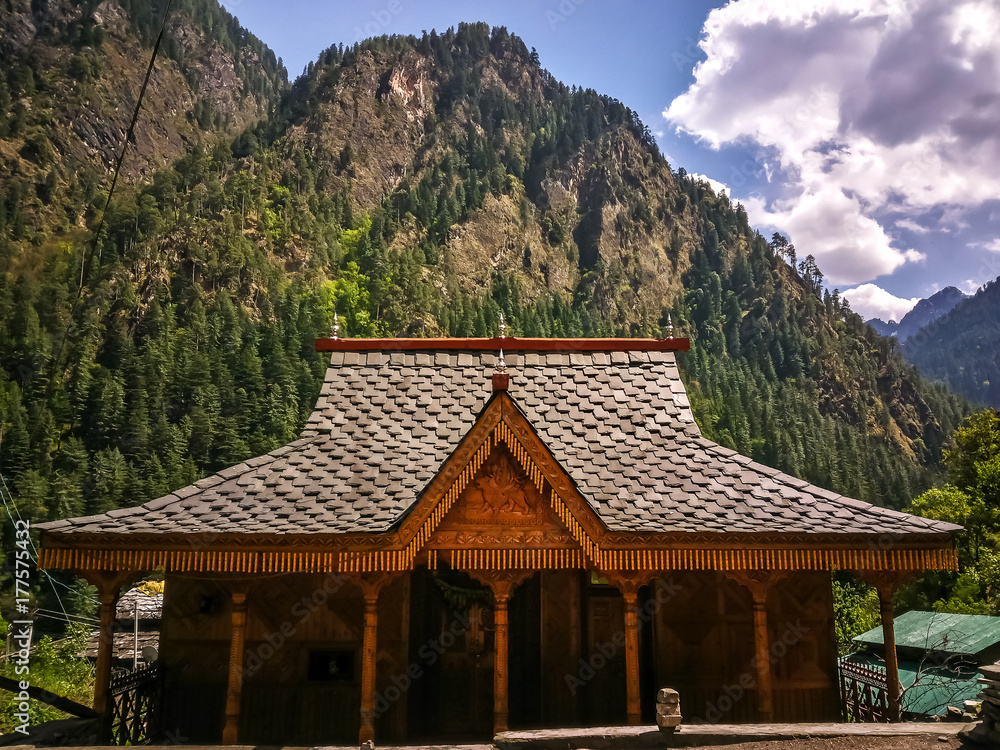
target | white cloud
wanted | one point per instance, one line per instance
(718, 187)
(969, 286)
(872, 301)
(867, 105)
(911, 225)
(991, 245)
(825, 223)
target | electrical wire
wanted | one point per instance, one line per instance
(107, 204)
(4, 494)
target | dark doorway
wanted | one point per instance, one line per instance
(451, 644)
(524, 696)
(604, 656)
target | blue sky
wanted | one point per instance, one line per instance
(865, 130)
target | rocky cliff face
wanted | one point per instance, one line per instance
(73, 71)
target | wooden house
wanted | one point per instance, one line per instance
(136, 630)
(458, 544)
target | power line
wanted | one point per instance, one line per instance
(107, 204)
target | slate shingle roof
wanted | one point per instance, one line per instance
(619, 424)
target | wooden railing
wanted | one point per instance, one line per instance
(136, 700)
(864, 693)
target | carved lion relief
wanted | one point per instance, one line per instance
(501, 493)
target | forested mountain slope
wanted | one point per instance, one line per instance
(962, 348)
(418, 186)
(70, 74)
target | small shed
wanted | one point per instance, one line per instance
(939, 658)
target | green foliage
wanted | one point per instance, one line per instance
(972, 500)
(56, 666)
(855, 610)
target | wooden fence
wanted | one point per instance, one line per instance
(864, 694)
(136, 706)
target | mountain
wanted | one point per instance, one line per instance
(926, 311)
(71, 74)
(962, 348)
(417, 187)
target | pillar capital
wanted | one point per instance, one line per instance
(501, 582)
(758, 582)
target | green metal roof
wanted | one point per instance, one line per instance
(939, 631)
(927, 689)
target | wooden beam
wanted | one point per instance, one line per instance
(369, 648)
(500, 664)
(234, 691)
(633, 703)
(56, 701)
(508, 344)
(762, 649)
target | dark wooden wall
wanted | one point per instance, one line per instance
(288, 617)
(567, 667)
(704, 646)
(804, 649)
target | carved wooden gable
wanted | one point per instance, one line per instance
(503, 502)
(502, 507)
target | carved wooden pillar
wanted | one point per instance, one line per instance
(629, 584)
(371, 586)
(105, 648)
(633, 703)
(502, 583)
(759, 583)
(500, 663)
(886, 583)
(368, 652)
(891, 662)
(762, 649)
(108, 586)
(234, 690)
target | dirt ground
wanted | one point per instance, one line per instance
(910, 742)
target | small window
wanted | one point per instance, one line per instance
(331, 666)
(596, 579)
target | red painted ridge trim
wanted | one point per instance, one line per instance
(510, 344)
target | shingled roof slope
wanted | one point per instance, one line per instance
(619, 423)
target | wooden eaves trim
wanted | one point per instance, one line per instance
(508, 344)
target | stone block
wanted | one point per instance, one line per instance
(668, 710)
(667, 695)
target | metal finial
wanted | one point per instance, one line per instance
(335, 328)
(503, 327)
(501, 364)
(670, 327)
